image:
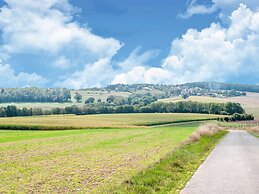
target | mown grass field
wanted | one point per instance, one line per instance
(103, 95)
(250, 102)
(81, 161)
(204, 99)
(106, 120)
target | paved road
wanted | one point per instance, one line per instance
(232, 167)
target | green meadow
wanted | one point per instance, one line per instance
(81, 161)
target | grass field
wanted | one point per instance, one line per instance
(81, 161)
(85, 95)
(172, 173)
(103, 95)
(204, 99)
(249, 102)
(106, 120)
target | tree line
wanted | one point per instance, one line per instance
(34, 95)
(108, 108)
(237, 117)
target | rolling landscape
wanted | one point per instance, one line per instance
(124, 97)
(101, 153)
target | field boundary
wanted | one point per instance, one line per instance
(51, 128)
(179, 124)
(169, 123)
(239, 125)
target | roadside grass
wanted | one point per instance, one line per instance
(81, 161)
(171, 174)
(254, 131)
(99, 120)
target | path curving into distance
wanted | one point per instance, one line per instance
(231, 168)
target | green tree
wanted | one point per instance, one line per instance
(110, 98)
(90, 100)
(185, 96)
(11, 111)
(78, 97)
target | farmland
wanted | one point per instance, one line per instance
(106, 120)
(103, 95)
(250, 102)
(81, 160)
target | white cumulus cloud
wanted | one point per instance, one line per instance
(46, 28)
(106, 71)
(224, 6)
(215, 53)
(8, 78)
(43, 26)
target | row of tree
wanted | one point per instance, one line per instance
(34, 95)
(237, 117)
(142, 99)
(155, 107)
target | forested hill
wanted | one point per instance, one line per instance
(213, 89)
(223, 86)
(34, 95)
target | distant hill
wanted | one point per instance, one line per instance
(124, 92)
(223, 86)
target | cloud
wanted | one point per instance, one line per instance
(136, 58)
(105, 71)
(194, 9)
(46, 28)
(215, 53)
(93, 75)
(225, 7)
(141, 74)
(8, 78)
(62, 63)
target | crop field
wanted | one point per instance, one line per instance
(106, 120)
(81, 161)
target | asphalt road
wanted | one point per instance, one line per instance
(232, 167)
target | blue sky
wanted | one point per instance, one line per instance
(79, 44)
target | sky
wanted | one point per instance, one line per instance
(94, 43)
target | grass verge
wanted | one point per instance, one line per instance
(254, 131)
(172, 173)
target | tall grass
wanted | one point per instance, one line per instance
(254, 130)
(204, 130)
